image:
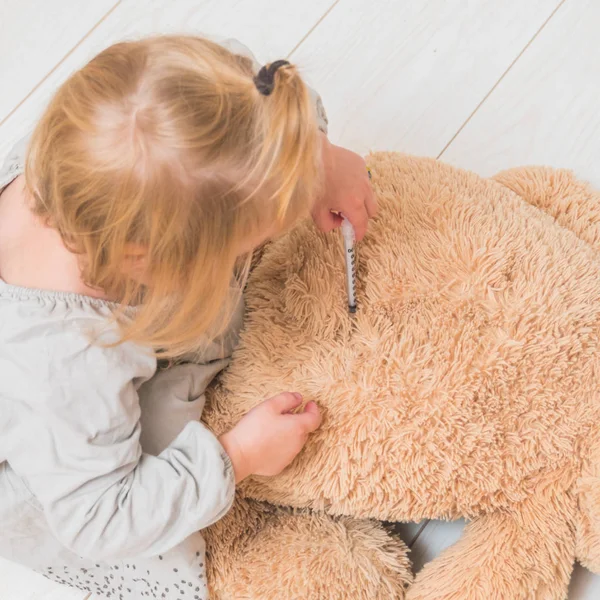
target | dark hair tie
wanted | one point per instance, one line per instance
(265, 79)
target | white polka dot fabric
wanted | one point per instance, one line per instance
(176, 575)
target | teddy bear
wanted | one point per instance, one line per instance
(467, 385)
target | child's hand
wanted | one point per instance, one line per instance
(268, 438)
(347, 191)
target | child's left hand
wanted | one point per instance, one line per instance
(347, 190)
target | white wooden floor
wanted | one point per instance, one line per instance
(482, 84)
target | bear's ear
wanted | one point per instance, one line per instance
(571, 202)
(534, 184)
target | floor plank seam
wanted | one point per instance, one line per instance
(60, 62)
(418, 534)
(312, 28)
(512, 64)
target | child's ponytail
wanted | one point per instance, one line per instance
(288, 132)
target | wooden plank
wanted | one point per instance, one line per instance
(35, 35)
(406, 75)
(19, 583)
(545, 110)
(435, 537)
(270, 28)
(408, 532)
(584, 585)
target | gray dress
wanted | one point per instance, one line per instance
(106, 473)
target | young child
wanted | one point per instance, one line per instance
(126, 226)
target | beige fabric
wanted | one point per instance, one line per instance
(465, 386)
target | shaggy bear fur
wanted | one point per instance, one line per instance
(465, 386)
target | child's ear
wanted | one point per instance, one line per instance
(135, 262)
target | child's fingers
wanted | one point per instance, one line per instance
(356, 213)
(371, 203)
(326, 221)
(310, 418)
(285, 402)
(336, 219)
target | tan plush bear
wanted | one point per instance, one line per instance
(467, 385)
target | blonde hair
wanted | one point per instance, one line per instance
(166, 143)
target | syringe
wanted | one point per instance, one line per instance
(349, 240)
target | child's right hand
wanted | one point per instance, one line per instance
(268, 438)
